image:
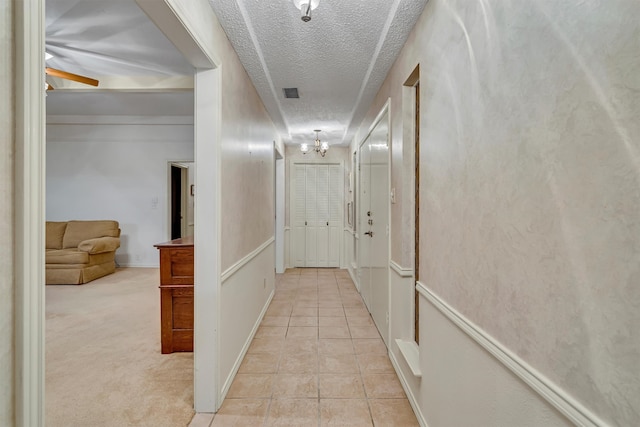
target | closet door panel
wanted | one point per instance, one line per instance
(317, 215)
(335, 214)
(311, 214)
(322, 206)
(299, 216)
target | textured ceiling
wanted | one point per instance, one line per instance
(338, 60)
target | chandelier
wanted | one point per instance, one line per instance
(318, 147)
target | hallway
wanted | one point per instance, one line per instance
(317, 359)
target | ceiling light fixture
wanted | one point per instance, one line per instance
(318, 147)
(306, 6)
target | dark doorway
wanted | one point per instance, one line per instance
(176, 202)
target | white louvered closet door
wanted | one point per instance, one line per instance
(322, 207)
(311, 214)
(299, 216)
(317, 215)
(335, 215)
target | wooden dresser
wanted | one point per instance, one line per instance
(176, 295)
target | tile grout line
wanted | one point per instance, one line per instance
(364, 389)
(318, 352)
(305, 285)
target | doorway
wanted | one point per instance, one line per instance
(30, 210)
(279, 199)
(176, 205)
(181, 195)
(373, 222)
(317, 214)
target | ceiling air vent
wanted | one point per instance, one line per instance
(291, 92)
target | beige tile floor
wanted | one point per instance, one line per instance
(316, 360)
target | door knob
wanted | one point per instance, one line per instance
(369, 233)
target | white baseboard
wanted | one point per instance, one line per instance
(405, 385)
(133, 265)
(245, 348)
(548, 390)
(353, 278)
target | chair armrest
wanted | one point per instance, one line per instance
(100, 245)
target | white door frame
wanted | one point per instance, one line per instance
(173, 18)
(310, 161)
(29, 212)
(279, 205)
(173, 21)
(207, 273)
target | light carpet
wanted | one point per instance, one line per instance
(103, 360)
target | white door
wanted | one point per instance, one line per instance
(373, 224)
(364, 224)
(379, 241)
(317, 215)
(322, 207)
(311, 214)
(298, 216)
(335, 217)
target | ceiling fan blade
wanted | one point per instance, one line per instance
(70, 76)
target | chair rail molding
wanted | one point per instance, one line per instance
(549, 391)
(246, 260)
(401, 271)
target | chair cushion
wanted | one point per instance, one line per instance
(75, 258)
(78, 231)
(66, 256)
(54, 234)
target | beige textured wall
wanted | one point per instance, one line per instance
(6, 214)
(248, 162)
(531, 183)
(247, 153)
(248, 169)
